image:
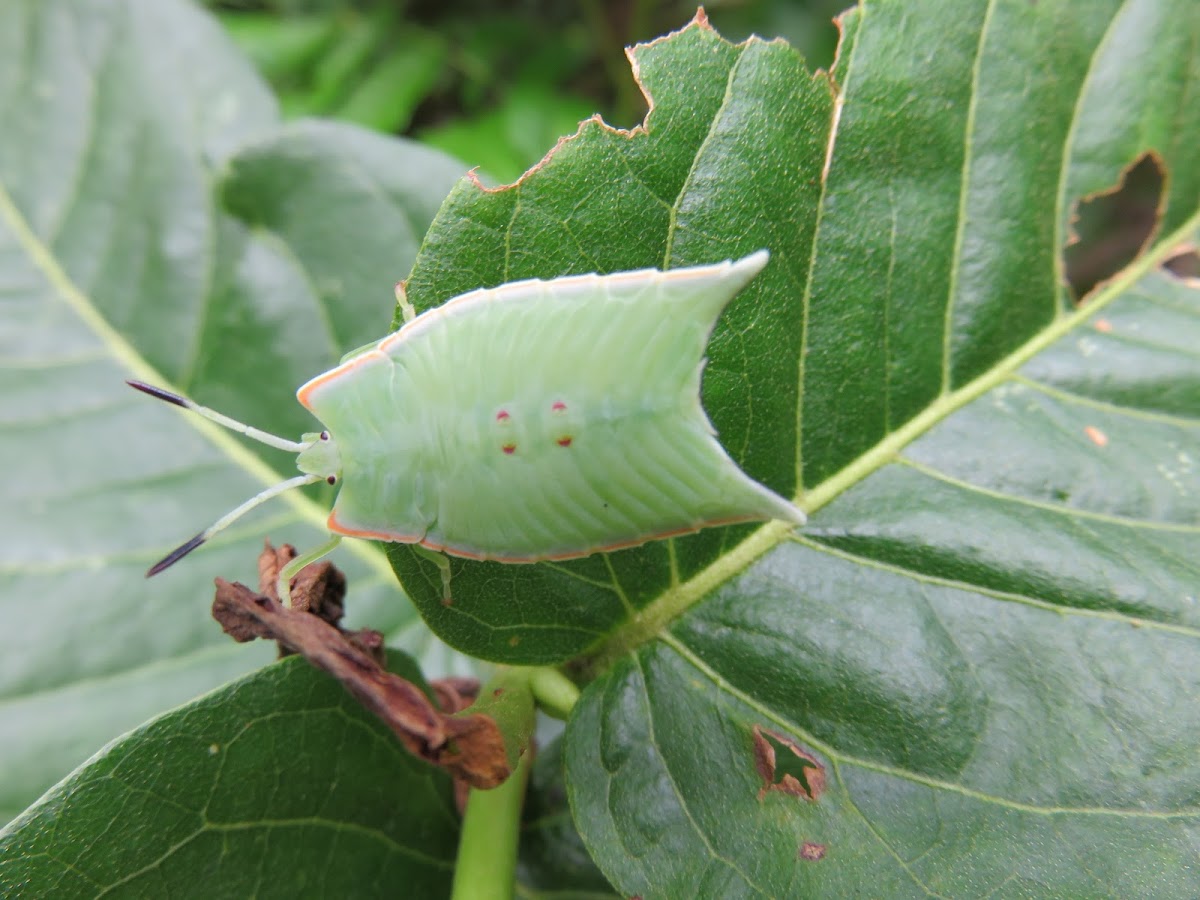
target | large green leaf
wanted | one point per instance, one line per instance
(171, 808)
(697, 186)
(986, 638)
(157, 222)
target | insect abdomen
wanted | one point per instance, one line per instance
(549, 419)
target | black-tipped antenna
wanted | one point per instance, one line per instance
(263, 437)
(228, 519)
(158, 392)
(177, 554)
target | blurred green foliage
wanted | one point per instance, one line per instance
(495, 84)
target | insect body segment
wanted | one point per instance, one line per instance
(536, 420)
(589, 388)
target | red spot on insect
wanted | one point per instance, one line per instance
(510, 449)
(502, 416)
(1103, 325)
(565, 441)
(558, 406)
(1096, 436)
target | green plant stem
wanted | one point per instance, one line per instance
(487, 848)
(553, 692)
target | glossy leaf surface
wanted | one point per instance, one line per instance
(984, 644)
(171, 809)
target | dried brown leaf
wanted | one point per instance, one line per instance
(468, 747)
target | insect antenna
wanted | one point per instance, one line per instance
(212, 415)
(228, 519)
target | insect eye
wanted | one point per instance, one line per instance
(324, 435)
(332, 479)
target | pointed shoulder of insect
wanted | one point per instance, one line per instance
(708, 288)
(704, 291)
(732, 275)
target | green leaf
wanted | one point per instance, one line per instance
(157, 222)
(360, 39)
(553, 859)
(282, 47)
(986, 639)
(389, 94)
(279, 785)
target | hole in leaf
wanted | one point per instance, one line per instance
(1111, 228)
(784, 766)
(1185, 264)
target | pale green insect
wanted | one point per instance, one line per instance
(537, 420)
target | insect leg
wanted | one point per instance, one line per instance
(443, 564)
(292, 569)
(406, 309)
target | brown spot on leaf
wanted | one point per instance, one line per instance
(1096, 436)
(469, 747)
(811, 852)
(1103, 325)
(795, 772)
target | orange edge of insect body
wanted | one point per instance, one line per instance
(396, 537)
(306, 389)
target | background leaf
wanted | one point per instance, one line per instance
(276, 786)
(552, 857)
(130, 128)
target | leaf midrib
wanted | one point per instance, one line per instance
(654, 619)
